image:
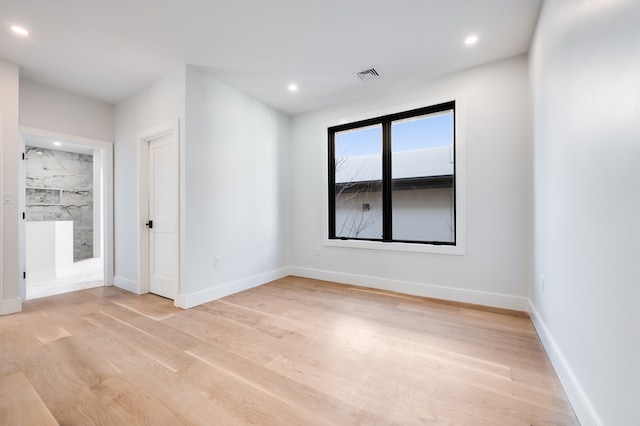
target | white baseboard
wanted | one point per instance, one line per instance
(419, 289)
(578, 399)
(126, 284)
(194, 299)
(10, 306)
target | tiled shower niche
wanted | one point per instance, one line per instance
(59, 186)
(43, 196)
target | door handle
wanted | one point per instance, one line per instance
(149, 224)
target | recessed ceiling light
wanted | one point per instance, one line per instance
(56, 143)
(293, 87)
(19, 30)
(471, 40)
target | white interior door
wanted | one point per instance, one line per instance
(163, 216)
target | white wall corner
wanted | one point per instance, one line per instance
(194, 299)
(419, 289)
(580, 403)
(11, 306)
(126, 284)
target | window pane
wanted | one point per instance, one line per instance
(422, 178)
(358, 173)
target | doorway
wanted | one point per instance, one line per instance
(66, 231)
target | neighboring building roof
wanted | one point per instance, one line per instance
(419, 163)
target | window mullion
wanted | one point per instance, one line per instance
(332, 185)
(387, 234)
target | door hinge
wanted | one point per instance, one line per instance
(23, 155)
(24, 275)
(24, 215)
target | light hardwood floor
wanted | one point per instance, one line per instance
(292, 352)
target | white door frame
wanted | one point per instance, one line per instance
(106, 148)
(144, 138)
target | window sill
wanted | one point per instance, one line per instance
(457, 250)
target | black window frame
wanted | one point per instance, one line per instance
(387, 182)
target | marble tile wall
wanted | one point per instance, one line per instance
(59, 186)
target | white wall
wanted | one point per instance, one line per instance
(161, 103)
(9, 182)
(496, 266)
(237, 185)
(585, 78)
(57, 110)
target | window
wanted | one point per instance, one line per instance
(392, 178)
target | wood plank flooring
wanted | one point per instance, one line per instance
(292, 352)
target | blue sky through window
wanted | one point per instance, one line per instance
(430, 131)
(365, 141)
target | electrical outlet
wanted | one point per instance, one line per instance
(318, 251)
(216, 261)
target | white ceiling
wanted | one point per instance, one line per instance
(110, 49)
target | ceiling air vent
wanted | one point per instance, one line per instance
(367, 75)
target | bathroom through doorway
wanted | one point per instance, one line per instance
(65, 214)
